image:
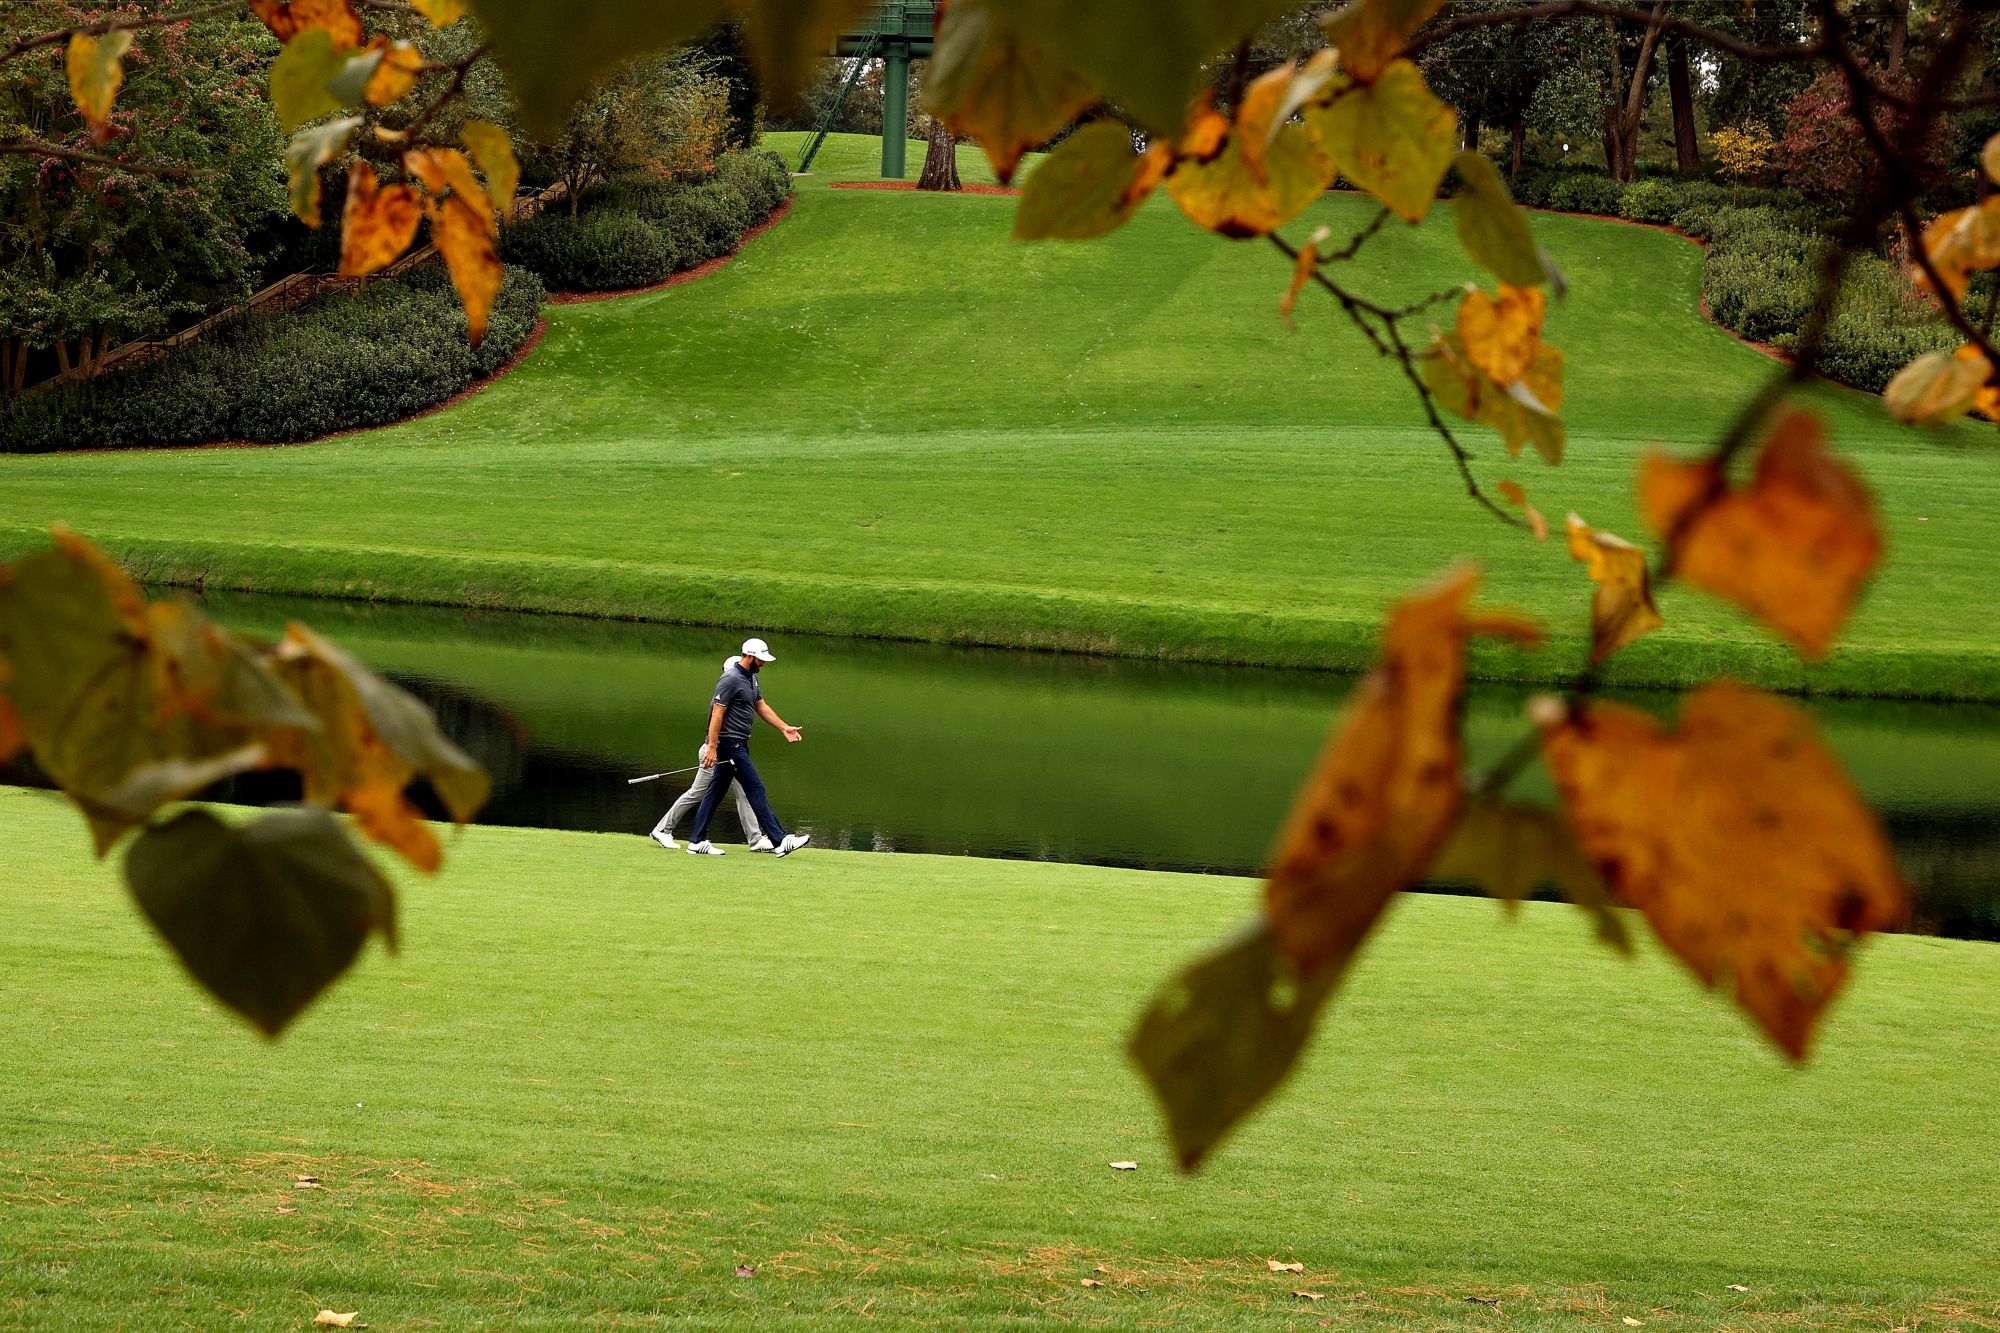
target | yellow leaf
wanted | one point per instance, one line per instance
(1621, 608)
(1493, 231)
(494, 152)
(1272, 98)
(336, 18)
(333, 1319)
(395, 75)
(1370, 34)
(991, 81)
(308, 151)
(1303, 268)
(311, 77)
(465, 239)
(1938, 387)
(387, 816)
(442, 13)
(1960, 243)
(1523, 413)
(1989, 158)
(1391, 138)
(1794, 549)
(1740, 838)
(377, 224)
(1387, 789)
(1514, 495)
(96, 67)
(1278, 1267)
(446, 169)
(1091, 183)
(1228, 195)
(1500, 334)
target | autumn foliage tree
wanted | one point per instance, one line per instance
(1730, 831)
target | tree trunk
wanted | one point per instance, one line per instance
(940, 160)
(1623, 119)
(1680, 88)
(62, 356)
(1468, 133)
(1899, 32)
(1520, 137)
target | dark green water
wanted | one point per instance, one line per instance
(990, 753)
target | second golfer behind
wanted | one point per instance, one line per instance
(739, 702)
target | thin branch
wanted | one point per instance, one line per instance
(1361, 238)
(459, 70)
(61, 36)
(1556, 9)
(37, 148)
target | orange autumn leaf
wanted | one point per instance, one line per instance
(396, 74)
(1511, 491)
(11, 739)
(1938, 387)
(377, 224)
(465, 239)
(1388, 787)
(1739, 836)
(1794, 548)
(1621, 608)
(1499, 333)
(1370, 34)
(1960, 243)
(1303, 268)
(387, 817)
(1246, 179)
(288, 18)
(447, 169)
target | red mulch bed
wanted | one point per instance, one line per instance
(911, 185)
(700, 270)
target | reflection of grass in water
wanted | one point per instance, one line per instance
(886, 418)
(601, 1077)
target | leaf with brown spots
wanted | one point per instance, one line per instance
(1261, 177)
(1524, 412)
(1621, 607)
(396, 74)
(377, 224)
(1794, 548)
(1392, 138)
(1387, 789)
(288, 18)
(1500, 333)
(1741, 839)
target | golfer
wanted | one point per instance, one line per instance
(663, 832)
(739, 702)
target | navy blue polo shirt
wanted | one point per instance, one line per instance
(739, 693)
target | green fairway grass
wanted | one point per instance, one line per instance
(885, 418)
(601, 1077)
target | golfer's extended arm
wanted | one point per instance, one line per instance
(770, 715)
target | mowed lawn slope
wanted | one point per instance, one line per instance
(600, 1078)
(887, 418)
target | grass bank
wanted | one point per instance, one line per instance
(601, 1078)
(885, 419)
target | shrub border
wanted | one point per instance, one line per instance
(701, 270)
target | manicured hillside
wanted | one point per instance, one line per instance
(601, 1077)
(885, 418)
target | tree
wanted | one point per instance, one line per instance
(1625, 93)
(1491, 75)
(940, 160)
(665, 114)
(1680, 87)
(93, 252)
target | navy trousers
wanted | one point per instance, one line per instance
(736, 755)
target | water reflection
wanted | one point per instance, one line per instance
(977, 752)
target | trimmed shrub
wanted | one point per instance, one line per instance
(763, 179)
(1585, 192)
(604, 250)
(1652, 200)
(381, 354)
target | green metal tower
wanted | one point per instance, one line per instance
(898, 32)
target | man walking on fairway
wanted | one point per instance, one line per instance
(739, 702)
(663, 832)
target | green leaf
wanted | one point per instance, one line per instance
(1220, 1037)
(150, 786)
(991, 80)
(1391, 138)
(554, 52)
(1508, 851)
(308, 151)
(265, 915)
(787, 38)
(1494, 231)
(299, 78)
(216, 676)
(1082, 189)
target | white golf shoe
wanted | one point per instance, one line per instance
(763, 844)
(792, 842)
(666, 840)
(704, 848)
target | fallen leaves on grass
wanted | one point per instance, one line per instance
(1277, 1267)
(746, 1270)
(1092, 1282)
(333, 1319)
(306, 1183)
(1124, 1166)
(1311, 1295)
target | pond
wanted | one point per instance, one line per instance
(979, 752)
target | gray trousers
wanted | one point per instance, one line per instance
(691, 798)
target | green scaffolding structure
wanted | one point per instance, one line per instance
(898, 32)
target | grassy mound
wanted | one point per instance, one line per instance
(885, 418)
(602, 1077)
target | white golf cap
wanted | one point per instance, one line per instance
(758, 649)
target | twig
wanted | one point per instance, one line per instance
(459, 70)
(61, 36)
(1555, 9)
(1361, 238)
(37, 148)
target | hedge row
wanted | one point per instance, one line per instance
(380, 354)
(634, 231)
(1765, 248)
